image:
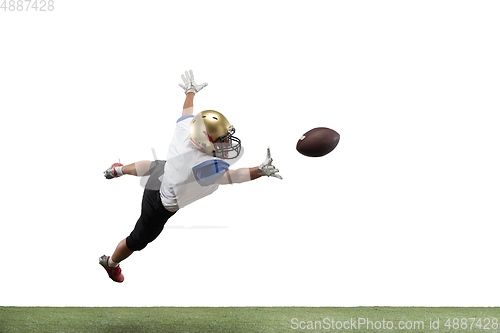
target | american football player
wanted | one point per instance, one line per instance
(199, 158)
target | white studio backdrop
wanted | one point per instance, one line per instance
(404, 212)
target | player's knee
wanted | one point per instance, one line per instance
(136, 244)
(137, 241)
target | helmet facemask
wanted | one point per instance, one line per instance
(227, 146)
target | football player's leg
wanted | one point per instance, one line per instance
(111, 264)
(122, 252)
(149, 225)
(140, 168)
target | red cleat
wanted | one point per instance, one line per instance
(111, 173)
(115, 273)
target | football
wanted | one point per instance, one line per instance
(318, 142)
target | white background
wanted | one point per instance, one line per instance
(404, 212)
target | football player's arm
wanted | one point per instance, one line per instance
(238, 176)
(187, 109)
(190, 89)
(246, 174)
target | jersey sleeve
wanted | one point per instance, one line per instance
(208, 172)
(184, 118)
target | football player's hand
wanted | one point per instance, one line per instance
(267, 169)
(189, 84)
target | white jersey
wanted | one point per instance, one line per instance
(189, 174)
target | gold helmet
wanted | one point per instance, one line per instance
(212, 133)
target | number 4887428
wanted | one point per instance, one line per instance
(470, 323)
(27, 5)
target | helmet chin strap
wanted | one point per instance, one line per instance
(225, 155)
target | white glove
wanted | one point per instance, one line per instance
(267, 169)
(189, 84)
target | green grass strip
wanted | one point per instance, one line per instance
(248, 319)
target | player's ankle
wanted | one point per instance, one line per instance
(111, 263)
(119, 171)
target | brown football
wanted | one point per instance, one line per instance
(318, 142)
